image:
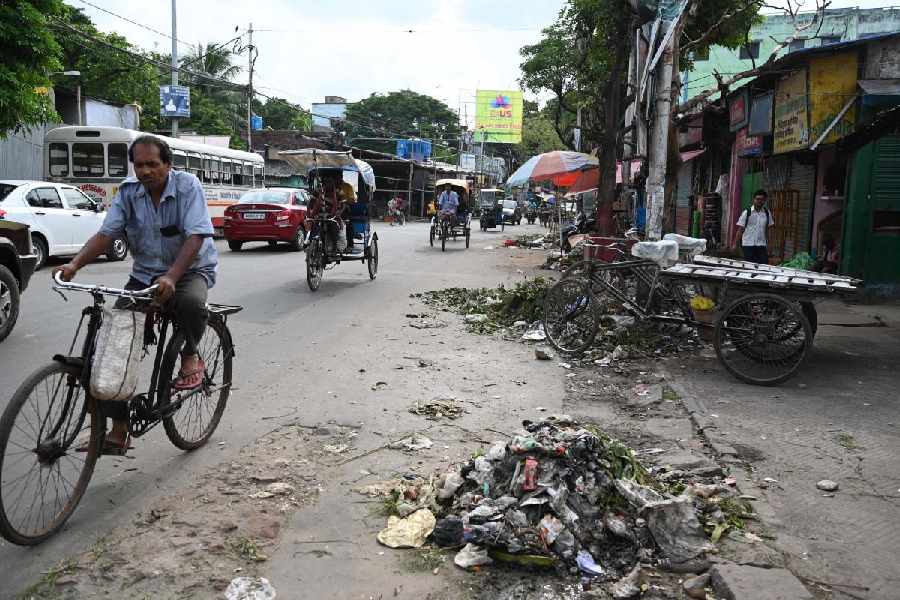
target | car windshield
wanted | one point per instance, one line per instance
(5, 189)
(266, 197)
(509, 204)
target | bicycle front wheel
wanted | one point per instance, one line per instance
(201, 409)
(43, 475)
(570, 321)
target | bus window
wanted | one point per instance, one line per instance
(258, 179)
(179, 160)
(226, 171)
(238, 177)
(87, 160)
(59, 160)
(216, 170)
(207, 165)
(193, 164)
(117, 160)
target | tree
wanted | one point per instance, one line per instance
(583, 60)
(218, 107)
(538, 133)
(402, 114)
(111, 68)
(278, 113)
(30, 54)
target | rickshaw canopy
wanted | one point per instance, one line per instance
(460, 183)
(310, 159)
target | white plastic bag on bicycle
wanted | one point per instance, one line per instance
(114, 370)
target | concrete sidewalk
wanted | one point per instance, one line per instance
(837, 419)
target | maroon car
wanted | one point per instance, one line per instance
(267, 215)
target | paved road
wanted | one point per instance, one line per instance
(293, 347)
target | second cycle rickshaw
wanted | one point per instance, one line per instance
(339, 228)
(444, 227)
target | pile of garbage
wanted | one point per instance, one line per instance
(490, 309)
(565, 496)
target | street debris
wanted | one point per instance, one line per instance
(409, 532)
(543, 353)
(250, 588)
(336, 448)
(475, 319)
(695, 587)
(827, 485)
(502, 306)
(379, 385)
(413, 443)
(560, 493)
(535, 333)
(436, 410)
(472, 556)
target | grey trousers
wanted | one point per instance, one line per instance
(188, 305)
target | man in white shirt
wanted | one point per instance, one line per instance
(753, 229)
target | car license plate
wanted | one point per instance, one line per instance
(251, 216)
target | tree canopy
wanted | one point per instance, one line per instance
(401, 114)
(278, 113)
(30, 54)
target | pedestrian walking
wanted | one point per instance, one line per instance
(753, 229)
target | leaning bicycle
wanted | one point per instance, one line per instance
(52, 432)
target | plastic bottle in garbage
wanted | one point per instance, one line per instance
(531, 475)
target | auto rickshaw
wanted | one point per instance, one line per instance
(491, 203)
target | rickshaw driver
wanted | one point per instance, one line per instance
(449, 204)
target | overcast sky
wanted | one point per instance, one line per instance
(312, 48)
(351, 48)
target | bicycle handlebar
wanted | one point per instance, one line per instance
(145, 293)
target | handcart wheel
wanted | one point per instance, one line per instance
(373, 259)
(763, 338)
(570, 320)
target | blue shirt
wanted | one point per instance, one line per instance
(182, 211)
(448, 201)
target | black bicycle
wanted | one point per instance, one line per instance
(53, 431)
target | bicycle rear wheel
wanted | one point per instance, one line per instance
(570, 321)
(315, 263)
(201, 410)
(42, 475)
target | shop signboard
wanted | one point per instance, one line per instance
(832, 83)
(791, 130)
(761, 115)
(738, 110)
(748, 145)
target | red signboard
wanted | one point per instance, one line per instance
(738, 110)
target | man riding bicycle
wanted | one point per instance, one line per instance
(163, 212)
(448, 202)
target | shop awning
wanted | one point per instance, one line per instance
(686, 156)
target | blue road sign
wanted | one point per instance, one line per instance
(175, 101)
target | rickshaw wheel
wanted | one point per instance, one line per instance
(443, 238)
(431, 236)
(373, 259)
(762, 339)
(570, 321)
(314, 264)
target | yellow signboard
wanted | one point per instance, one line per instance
(791, 130)
(832, 83)
(498, 116)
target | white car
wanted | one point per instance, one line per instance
(61, 217)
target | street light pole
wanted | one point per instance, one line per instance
(174, 64)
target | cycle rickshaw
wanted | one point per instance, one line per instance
(340, 232)
(444, 229)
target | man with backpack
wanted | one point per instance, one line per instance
(753, 229)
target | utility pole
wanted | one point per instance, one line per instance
(659, 139)
(250, 90)
(174, 63)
